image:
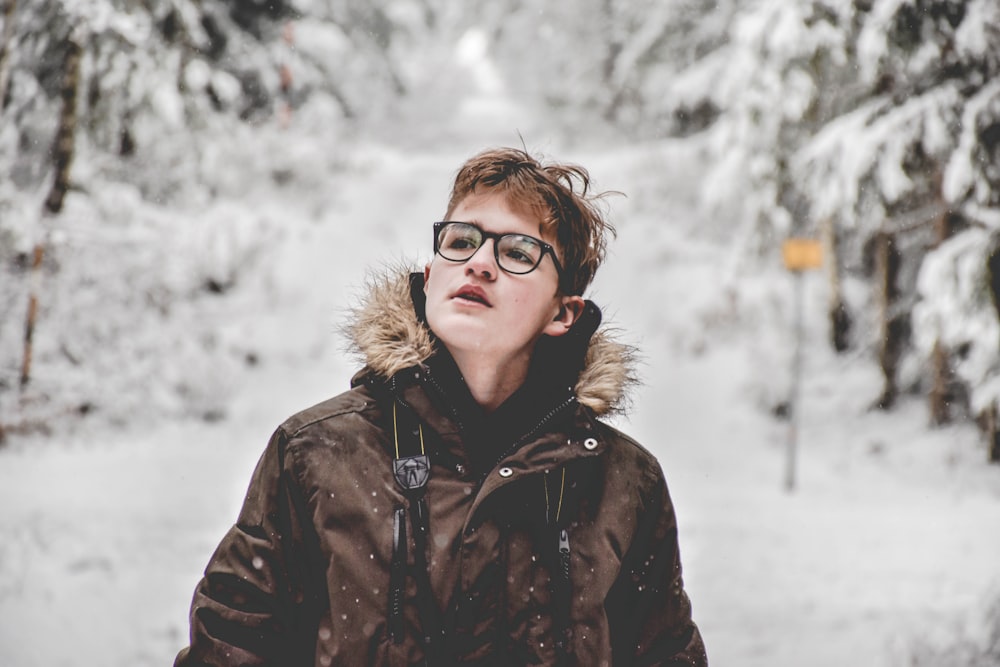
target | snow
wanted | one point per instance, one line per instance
(876, 137)
(873, 45)
(971, 37)
(956, 310)
(961, 175)
(887, 544)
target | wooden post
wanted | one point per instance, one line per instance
(796, 383)
(799, 255)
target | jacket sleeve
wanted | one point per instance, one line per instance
(648, 609)
(251, 607)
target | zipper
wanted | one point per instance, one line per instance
(530, 434)
(564, 552)
(429, 378)
(563, 593)
(452, 412)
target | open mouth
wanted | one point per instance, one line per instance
(473, 294)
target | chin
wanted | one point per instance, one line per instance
(461, 334)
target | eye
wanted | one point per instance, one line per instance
(460, 237)
(459, 243)
(521, 250)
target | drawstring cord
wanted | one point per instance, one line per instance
(395, 432)
(562, 489)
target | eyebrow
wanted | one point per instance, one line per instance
(479, 224)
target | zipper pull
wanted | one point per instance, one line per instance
(563, 591)
(564, 552)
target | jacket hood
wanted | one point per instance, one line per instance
(388, 332)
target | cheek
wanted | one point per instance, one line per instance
(533, 310)
(434, 279)
(432, 303)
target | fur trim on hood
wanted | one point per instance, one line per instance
(386, 333)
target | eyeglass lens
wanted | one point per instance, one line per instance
(515, 253)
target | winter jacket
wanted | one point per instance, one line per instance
(537, 535)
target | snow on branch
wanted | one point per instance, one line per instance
(963, 174)
(869, 146)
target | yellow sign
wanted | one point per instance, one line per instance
(802, 254)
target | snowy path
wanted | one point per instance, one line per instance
(891, 533)
(889, 537)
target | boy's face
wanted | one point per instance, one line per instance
(476, 307)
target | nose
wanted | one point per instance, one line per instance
(483, 262)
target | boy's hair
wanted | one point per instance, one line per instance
(557, 194)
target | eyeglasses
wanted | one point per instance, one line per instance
(515, 253)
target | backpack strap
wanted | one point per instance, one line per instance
(412, 473)
(397, 576)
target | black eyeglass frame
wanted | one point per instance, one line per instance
(546, 248)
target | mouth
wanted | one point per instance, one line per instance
(472, 294)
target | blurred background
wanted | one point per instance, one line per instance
(192, 193)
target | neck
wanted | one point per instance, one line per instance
(489, 382)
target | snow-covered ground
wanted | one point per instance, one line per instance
(888, 541)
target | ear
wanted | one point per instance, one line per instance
(427, 275)
(570, 308)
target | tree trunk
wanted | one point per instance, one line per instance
(62, 153)
(29, 324)
(988, 422)
(941, 376)
(992, 413)
(891, 329)
(840, 318)
(940, 394)
(5, 39)
(63, 159)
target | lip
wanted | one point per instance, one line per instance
(472, 294)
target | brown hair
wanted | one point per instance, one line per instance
(557, 194)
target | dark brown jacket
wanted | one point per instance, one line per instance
(556, 547)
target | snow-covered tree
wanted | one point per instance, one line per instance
(874, 124)
(916, 162)
(174, 102)
(605, 59)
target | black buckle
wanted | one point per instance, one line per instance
(412, 472)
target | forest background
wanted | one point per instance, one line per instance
(134, 133)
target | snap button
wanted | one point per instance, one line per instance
(590, 443)
(505, 472)
(459, 468)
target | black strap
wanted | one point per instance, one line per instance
(397, 577)
(412, 472)
(430, 614)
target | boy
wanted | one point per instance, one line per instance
(462, 504)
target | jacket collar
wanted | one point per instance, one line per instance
(387, 330)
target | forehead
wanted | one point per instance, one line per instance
(495, 212)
